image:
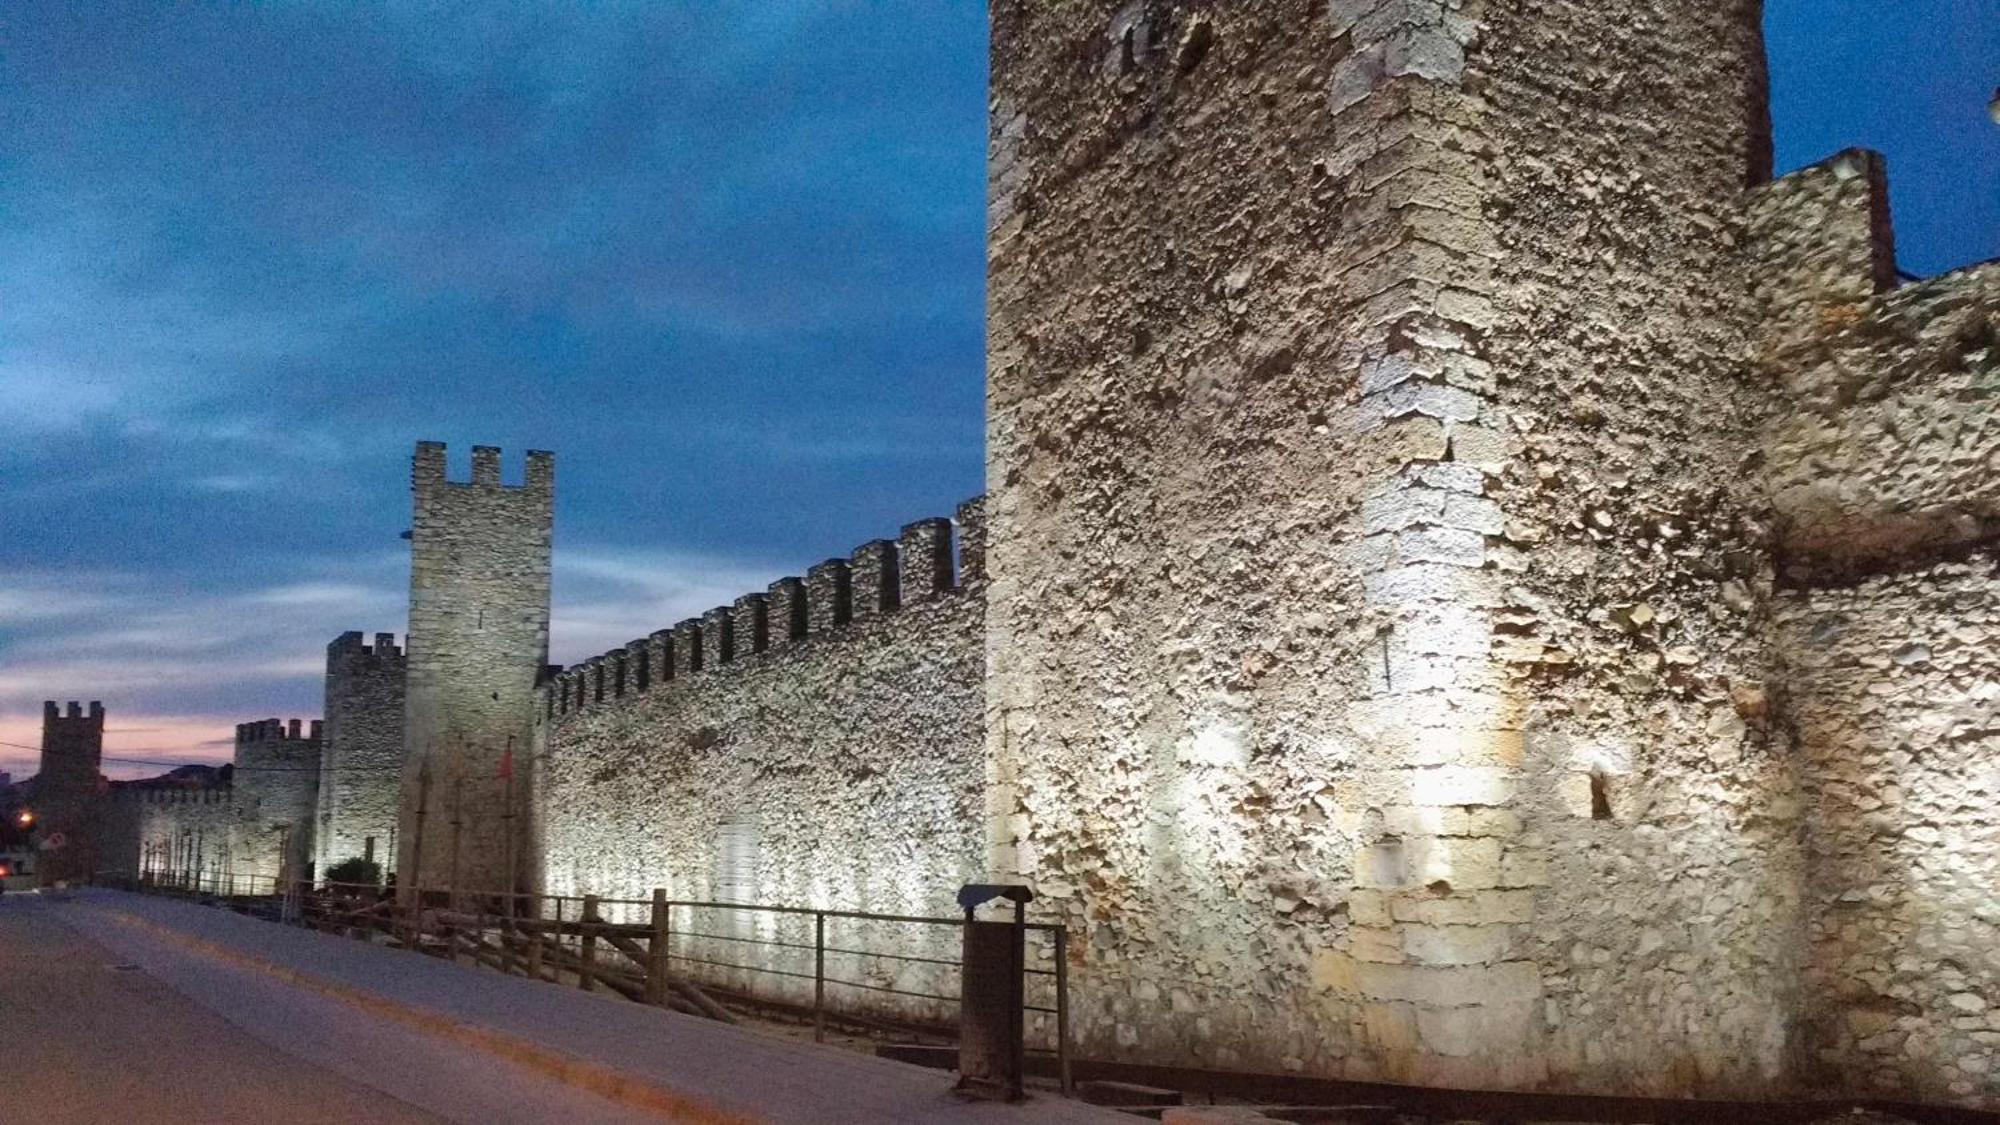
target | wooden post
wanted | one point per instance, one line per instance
(555, 968)
(535, 945)
(457, 823)
(656, 952)
(507, 818)
(587, 926)
(507, 935)
(411, 897)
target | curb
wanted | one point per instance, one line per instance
(570, 1070)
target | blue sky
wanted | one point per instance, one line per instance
(725, 258)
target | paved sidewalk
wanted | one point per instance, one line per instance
(679, 1067)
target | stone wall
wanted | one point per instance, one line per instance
(1377, 627)
(67, 795)
(477, 645)
(1881, 444)
(362, 760)
(815, 745)
(276, 793)
(1606, 148)
(1894, 682)
(170, 833)
(1879, 453)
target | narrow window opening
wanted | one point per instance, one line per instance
(1600, 796)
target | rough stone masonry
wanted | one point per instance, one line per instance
(1395, 416)
(1416, 430)
(1479, 584)
(477, 647)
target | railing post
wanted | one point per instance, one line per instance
(819, 976)
(1062, 1009)
(561, 946)
(587, 926)
(656, 952)
(507, 934)
(535, 943)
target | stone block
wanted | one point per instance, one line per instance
(1462, 785)
(1408, 440)
(1482, 448)
(1334, 971)
(1463, 908)
(1404, 507)
(1456, 945)
(1390, 1028)
(1509, 982)
(1495, 1029)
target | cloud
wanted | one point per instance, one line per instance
(153, 742)
(145, 647)
(606, 597)
(726, 259)
(177, 669)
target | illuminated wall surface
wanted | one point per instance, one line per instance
(258, 830)
(477, 645)
(362, 756)
(815, 745)
(1482, 587)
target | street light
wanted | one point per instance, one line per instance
(26, 819)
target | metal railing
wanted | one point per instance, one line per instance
(883, 973)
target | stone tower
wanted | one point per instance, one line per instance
(1377, 628)
(276, 788)
(68, 798)
(362, 759)
(478, 641)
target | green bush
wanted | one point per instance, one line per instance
(356, 870)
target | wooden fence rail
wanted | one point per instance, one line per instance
(632, 948)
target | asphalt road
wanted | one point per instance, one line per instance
(86, 1038)
(127, 1030)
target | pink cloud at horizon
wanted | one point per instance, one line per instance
(169, 740)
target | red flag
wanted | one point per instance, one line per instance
(507, 763)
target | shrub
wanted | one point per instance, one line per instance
(356, 870)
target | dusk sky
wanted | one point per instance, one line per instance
(725, 259)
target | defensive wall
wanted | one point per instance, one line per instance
(1485, 587)
(277, 789)
(170, 832)
(68, 789)
(477, 645)
(1879, 454)
(816, 743)
(362, 757)
(1365, 437)
(257, 827)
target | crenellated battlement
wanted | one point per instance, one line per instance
(1821, 242)
(175, 795)
(837, 598)
(74, 713)
(278, 730)
(353, 646)
(428, 469)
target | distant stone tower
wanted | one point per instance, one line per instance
(68, 798)
(361, 771)
(276, 791)
(478, 641)
(1377, 674)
